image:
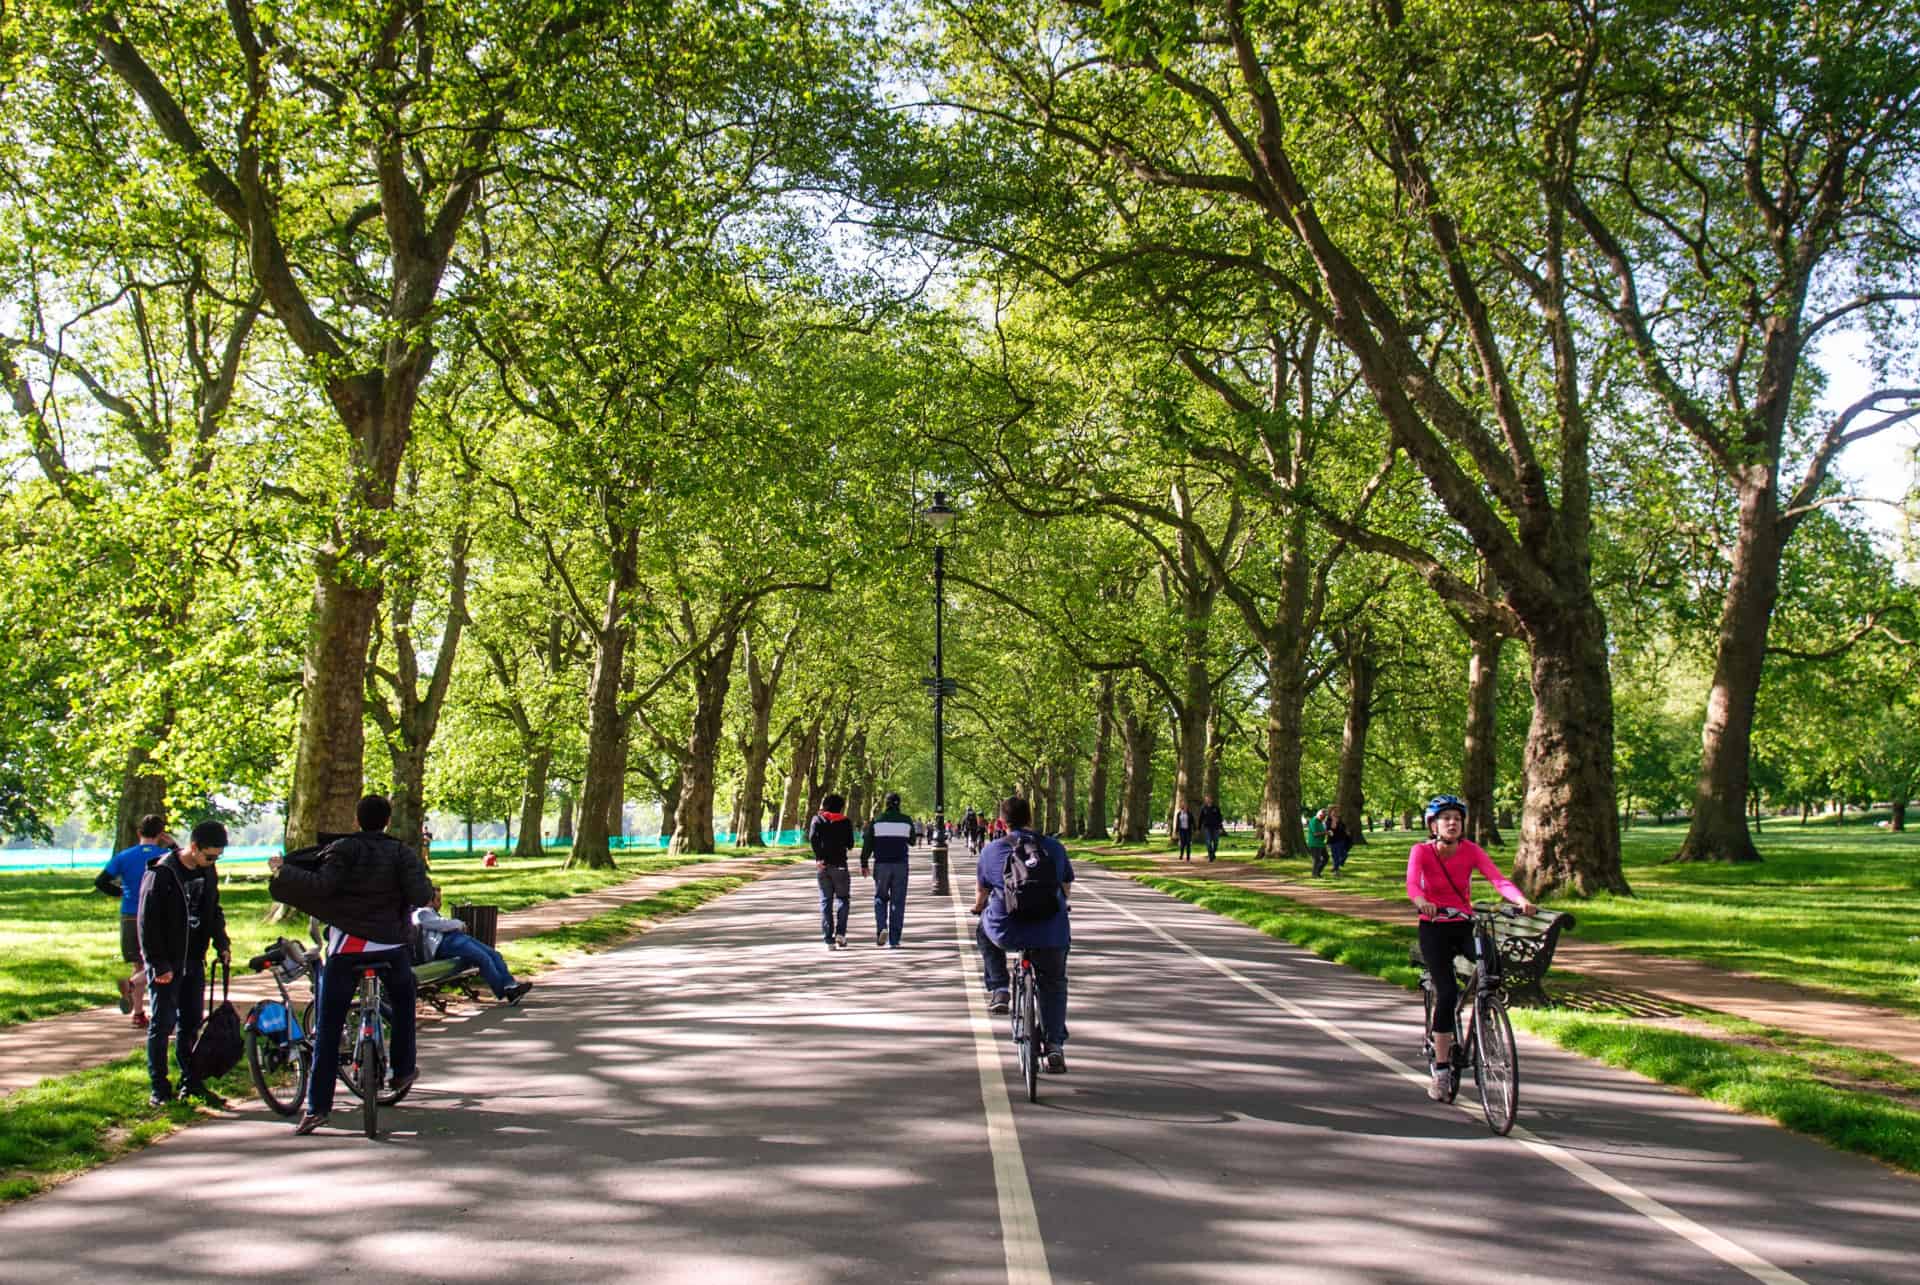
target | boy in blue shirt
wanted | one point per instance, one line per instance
(1046, 940)
(121, 878)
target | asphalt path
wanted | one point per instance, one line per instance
(725, 1099)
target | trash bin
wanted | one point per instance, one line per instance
(483, 922)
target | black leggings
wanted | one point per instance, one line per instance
(1440, 941)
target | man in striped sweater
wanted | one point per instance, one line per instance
(885, 845)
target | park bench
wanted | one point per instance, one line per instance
(1526, 945)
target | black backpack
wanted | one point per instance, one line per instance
(1030, 882)
(218, 1048)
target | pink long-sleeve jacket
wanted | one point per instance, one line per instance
(1448, 881)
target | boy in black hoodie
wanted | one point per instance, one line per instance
(831, 836)
(179, 915)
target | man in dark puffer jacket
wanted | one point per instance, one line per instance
(365, 891)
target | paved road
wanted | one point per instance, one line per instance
(726, 1100)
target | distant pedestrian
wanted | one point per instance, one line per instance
(1183, 831)
(1339, 838)
(830, 835)
(1317, 841)
(1211, 824)
(121, 877)
(179, 917)
(885, 844)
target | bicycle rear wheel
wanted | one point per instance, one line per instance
(369, 1070)
(1030, 1051)
(1496, 1064)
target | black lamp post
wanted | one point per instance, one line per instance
(938, 518)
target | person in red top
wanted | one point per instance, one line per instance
(1439, 883)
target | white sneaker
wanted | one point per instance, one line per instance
(841, 941)
(880, 937)
(1441, 1085)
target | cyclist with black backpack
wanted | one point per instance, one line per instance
(1024, 883)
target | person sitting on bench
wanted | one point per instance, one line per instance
(448, 939)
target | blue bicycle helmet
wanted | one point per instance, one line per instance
(1442, 803)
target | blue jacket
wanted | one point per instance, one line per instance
(887, 838)
(1023, 934)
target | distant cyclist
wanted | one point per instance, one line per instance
(1044, 932)
(1439, 881)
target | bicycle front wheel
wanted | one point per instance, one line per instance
(279, 1071)
(369, 1070)
(1496, 1064)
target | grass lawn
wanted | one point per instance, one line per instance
(71, 1123)
(60, 940)
(1856, 1101)
(1829, 907)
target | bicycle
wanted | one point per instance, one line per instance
(279, 1044)
(1483, 1034)
(1024, 1013)
(351, 1032)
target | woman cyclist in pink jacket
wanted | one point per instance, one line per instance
(1439, 883)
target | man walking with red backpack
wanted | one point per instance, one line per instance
(1024, 883)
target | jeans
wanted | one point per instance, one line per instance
(1319, 855)
(1213, 843)
(836, 895)
(177, 1005)
(1049, 970)
(493, 969)
(339, 982)
(1341, 847)
(1185, 838)
(889, 898)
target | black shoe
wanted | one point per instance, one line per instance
(158, 1099)
(401, 1083)
(205, 1094)
(517, 992)
(1056, 1062)
(1000, 1002)
(308, 1123)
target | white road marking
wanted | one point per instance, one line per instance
(1633, 1198)
(1019, 1222)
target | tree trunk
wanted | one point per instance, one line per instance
(1096, 826)
(1281, 835)
(1216, 746)
(1898, 823)
(670, 806)
(1069, 773)
(328, 763)
(1718, 831)
(533, 802)
(142, 793)
(604, 788)
(795, 808)
(1568, 836)
(563, 829)
(1362, 672)
(693, 828)
(409, 793)
(1136, 789)
(1480, 757)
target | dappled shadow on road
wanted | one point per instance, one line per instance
(718, 1100)
(727, 1100)
(1290, 1154)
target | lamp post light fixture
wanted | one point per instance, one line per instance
(938, 518)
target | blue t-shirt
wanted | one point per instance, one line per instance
(1022, 934)
(129, 866)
